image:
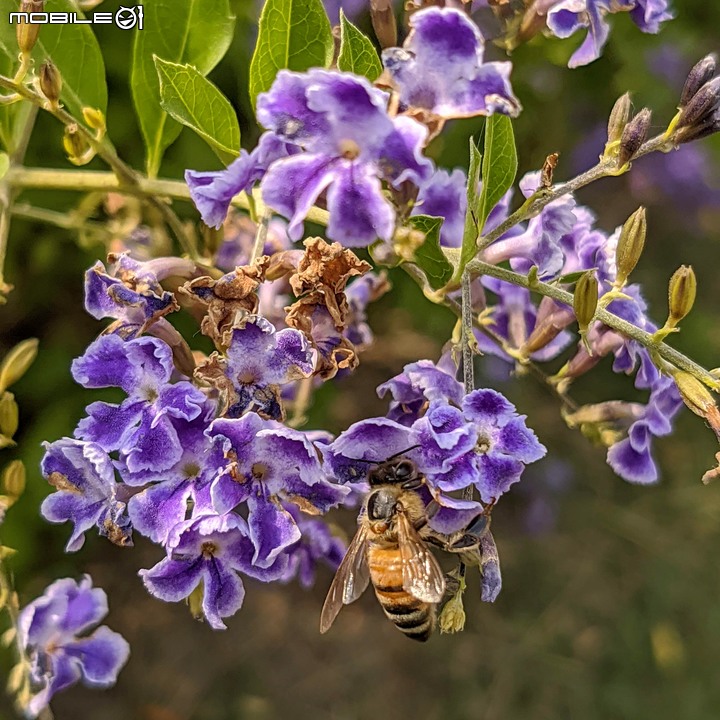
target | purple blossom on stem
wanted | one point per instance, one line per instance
(440, 68)
(269, 463)
(86, 492)
(55, 632)
(140, 427)
(131, 293)
(213, 191)
(259, 361)
(350, 145)
(566, 17)
(163, 503)
(210, 549)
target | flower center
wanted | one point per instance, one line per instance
(208, 549)
(483, 444)
(247, 378)
(349, 149)
(151, 394)
(191, 470)
(259, 470)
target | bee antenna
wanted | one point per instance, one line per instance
(402, 452)
(379, 462)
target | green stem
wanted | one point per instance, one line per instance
(535, 203)
(646, 339)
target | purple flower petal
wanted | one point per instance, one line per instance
(272, 529)
(101, 656)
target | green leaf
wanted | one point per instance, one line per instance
(357, 53)
(429, 256)
(195, 102)
(292, 35)
(196, 32)
(499, 165)
(471, 230)
(74, 50)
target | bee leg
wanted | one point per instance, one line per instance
(452, 587)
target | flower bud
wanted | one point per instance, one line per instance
(8, 415)
(585, 299)
(50, 81)
(702, 106)
(619, 117)
(382, 15)
(491, 583)
(698, 76)
(452, 616)
(630, 245)
(697, 132)
(13, 480)
(681, 294)
(698, 398)
(16, 362)
(76, 146)
(633, 136)
(94, 118)
(27, 33)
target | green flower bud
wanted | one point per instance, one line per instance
(698, 398)
(16, 362)
(76, 146)
(630, 245)
(452, 616)
(8, 414)
(619, 117)
(25, 32)
(94, 118)
(13, 479)
(50, 81)
(681, 294)
(585, 299)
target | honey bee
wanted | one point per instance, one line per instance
(389, 551)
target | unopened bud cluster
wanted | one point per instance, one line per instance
(699, 103)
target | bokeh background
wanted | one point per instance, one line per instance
(611, 600)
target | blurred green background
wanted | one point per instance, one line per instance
(611, 600)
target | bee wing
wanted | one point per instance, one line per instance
(350, 581)
(422, 576)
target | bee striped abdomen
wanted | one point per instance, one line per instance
(411, 616)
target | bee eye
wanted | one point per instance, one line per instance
(404, 469)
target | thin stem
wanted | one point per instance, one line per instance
(104, 148)
(535, 203)
(676, 358)
(99, 181)
(466, 339)
(260, 237)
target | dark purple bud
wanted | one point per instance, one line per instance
(701, 73)
(699, 131)
(633, 136)
(702, 106)
(50, 81)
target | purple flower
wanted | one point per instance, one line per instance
(419, 384)
(269, 462)
(632, 458)
(213, 191)
(86, 492)
(164, 502)
(132, 294)
(505, 444)
(440, 68)
(210, 549)
(445, 196)
(316, 545)
(351, 144)
(140, 427)
(259, 361)
(568, 16)
(54, 631)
